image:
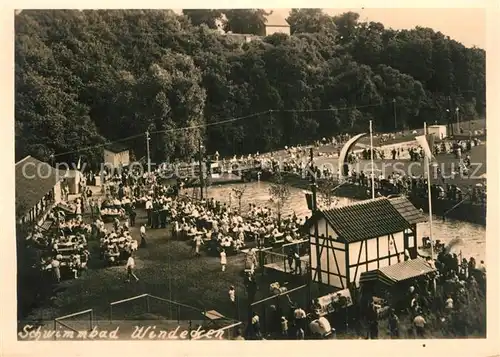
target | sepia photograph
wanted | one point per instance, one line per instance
(250, 174)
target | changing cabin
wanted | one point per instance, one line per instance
(368, 235)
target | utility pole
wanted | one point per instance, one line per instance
(147, 148)
(371, 159)
(395, 118)
(314, 211)
(201, 168)
(450, 117)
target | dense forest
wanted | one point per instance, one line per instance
(87, 78)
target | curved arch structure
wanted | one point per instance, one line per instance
(343, 163)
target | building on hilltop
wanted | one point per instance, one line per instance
(276, 24)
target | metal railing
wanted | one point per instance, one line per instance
(148, 298)
(179, 312)
(58, 322)
(279, 261)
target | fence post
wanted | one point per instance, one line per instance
(91, 319)
(261, 260)
(147, 304)
(110, 313)
(189, 330)
(55, 329)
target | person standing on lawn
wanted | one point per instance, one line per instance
(149, 208)
(143, 236)
(55, 267)
(130, 268)
(232, 300)
(419, 324)
(251, 286)
(372, 319)
(290, 258)
(394, 324)
(256, 326)
(223, 259)
(132, 214)
(198, 241)
(284, 327)
(298, 263)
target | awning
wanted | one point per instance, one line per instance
(395, 273)
(374, 275)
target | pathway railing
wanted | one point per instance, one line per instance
(60, 325)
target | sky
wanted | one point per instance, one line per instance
(464, 25)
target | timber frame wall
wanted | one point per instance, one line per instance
(340, 263)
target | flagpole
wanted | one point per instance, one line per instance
(371, 155)
(427, 165)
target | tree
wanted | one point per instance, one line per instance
(347, 25)
(280, 192)
(238, 193)
(207, 17)
(310, 21)
(246, 21)
(173, 102)
(84, 78)
(326, 193)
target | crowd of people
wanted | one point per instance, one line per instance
(449, 300)
(217, 226)
(62, 248)
(117, 245)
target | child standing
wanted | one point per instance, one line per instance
(284, 327)
(232, 299)
(223, 259)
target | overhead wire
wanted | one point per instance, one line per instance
(226, 121)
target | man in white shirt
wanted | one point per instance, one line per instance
(149, 208)
(130, 269)
(300, 317)
(232, 300)
(143, 236)
(198, 241)
(449, 304)
(419, 323)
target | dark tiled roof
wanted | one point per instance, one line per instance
(406, 270)
(366, 219)
(34, 179)
(116, 148)
(408, 210)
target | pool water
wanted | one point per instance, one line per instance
(472, 237)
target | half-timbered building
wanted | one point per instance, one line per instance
(364, 236)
